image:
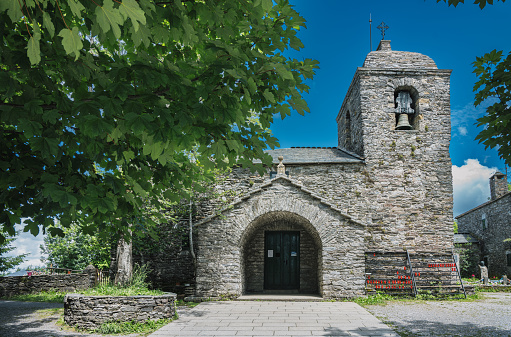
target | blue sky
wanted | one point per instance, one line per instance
(337, 35)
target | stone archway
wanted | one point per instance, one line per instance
(223, 242)
(253, 252)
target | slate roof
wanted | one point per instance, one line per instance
(313, 155)
(464, 238)
(508, 194)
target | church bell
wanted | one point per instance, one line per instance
(402, 122)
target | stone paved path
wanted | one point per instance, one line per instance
(276, 318)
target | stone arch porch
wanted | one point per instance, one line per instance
(254, 252)
(223, 241)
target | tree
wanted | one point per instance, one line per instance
(102, 101)
(494, 74)
(481, 3)
(8, 262)
(493, 71)
(76, 250)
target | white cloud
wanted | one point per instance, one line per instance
(471, 185)
(27, 243)
(462, 130)
(467, 115)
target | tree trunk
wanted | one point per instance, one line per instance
(190, 233)
(124, 261)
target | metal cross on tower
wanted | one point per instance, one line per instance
(383, 27)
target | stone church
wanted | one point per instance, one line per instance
(313, 223)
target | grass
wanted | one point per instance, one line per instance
(45, 313)
(145, 328)
(492, 289)
(113, 290)
(181, 303)
(51, 296)
(383, 299)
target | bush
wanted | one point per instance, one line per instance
(136, 286)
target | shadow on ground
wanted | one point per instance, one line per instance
(419, 328)
(23, 319)
(334, 332)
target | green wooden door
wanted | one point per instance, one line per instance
(282, 260)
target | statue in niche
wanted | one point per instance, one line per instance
(403, 109)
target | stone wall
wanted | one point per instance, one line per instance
(89, 312)
(349, 129)
(223, 240)
(409, 202)
(498, 227)
(15, 285)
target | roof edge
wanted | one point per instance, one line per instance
(482, 205)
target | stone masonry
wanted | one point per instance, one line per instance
(490, 223)
(15, 285)
(381, 189)
(89, 312)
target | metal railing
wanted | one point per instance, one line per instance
(414, 285)
(459, 275)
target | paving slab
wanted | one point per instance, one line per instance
(276, 318)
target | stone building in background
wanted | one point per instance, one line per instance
(490, 223)
(316, 220)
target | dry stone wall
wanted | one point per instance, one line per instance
(16, 285)
(89, 312)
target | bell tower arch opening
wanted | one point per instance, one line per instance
(406, 108)
(281, 251)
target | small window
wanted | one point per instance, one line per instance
(484, 223)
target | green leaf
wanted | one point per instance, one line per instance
(131, 9)
(109, 17)
(13, 9)
(71, 41)
(267, 5)
(51, 116)
(76, 7)
(33, 51)
(48, 24)
(128, 155)
(283, 71)
(269, 96)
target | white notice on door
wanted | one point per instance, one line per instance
(270, 253)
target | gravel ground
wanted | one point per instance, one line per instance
(488, 317)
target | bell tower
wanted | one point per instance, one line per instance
(396, 115)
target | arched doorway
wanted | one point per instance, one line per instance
(281, 251)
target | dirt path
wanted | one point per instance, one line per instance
(488, 317)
